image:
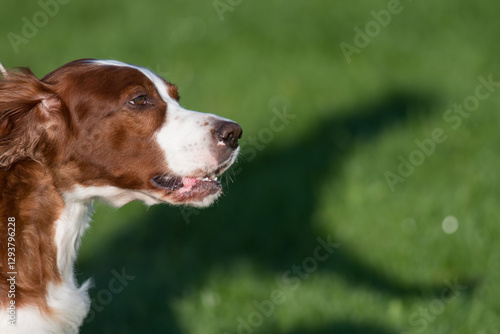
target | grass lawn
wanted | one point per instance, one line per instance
(364, 198)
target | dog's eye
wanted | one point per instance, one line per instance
(140, 100)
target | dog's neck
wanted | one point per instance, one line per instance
(70, 227)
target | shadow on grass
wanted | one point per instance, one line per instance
(265, 220)
(344, 328)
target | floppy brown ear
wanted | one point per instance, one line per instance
(28, 107)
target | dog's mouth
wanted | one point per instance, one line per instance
(198, 189)
(187, 185)
(191, 190)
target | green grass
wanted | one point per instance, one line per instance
(321, 175)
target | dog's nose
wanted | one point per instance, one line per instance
(228, 133)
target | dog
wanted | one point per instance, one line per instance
(91, 129)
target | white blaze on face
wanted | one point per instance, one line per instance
(185, 137)
(186, 140)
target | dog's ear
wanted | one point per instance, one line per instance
(28, 109)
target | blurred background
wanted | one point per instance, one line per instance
(364, 197)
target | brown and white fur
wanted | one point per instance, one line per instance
(91, 129)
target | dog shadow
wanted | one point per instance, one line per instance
(265, 220)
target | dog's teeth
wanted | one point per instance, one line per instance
(207, 178)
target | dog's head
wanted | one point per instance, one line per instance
(115, 131)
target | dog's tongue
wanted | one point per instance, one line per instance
(188, 182)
